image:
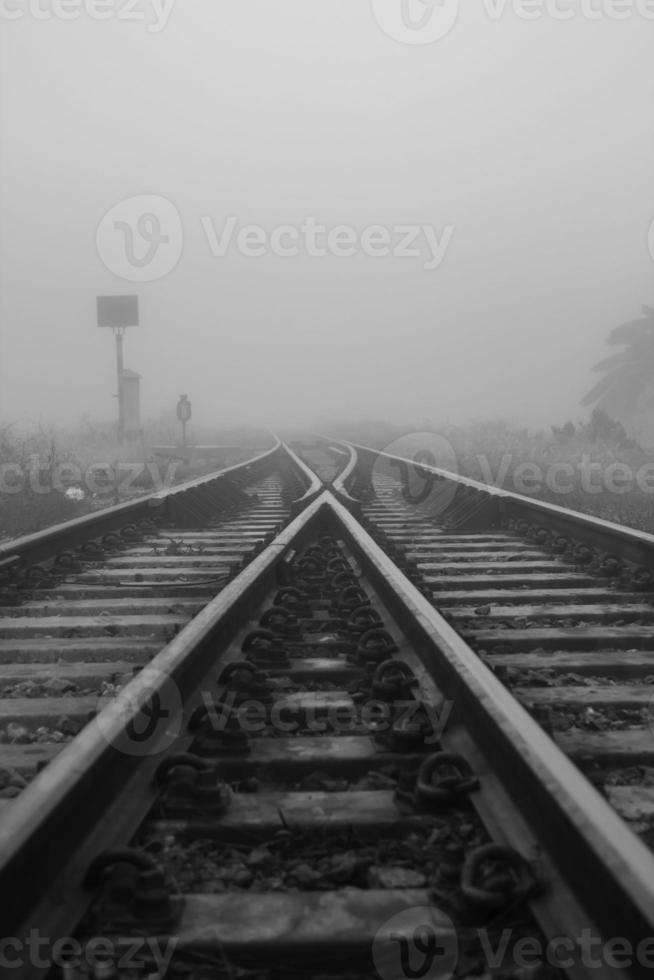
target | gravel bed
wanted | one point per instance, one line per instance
(550, 677)
(314, 862)
(590, 719)
(64, 730)
(554, 622)
(57, 687)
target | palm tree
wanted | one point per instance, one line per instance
(627, 388)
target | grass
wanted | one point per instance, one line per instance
(49, 475)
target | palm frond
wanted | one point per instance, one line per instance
(632, 331)
(614, 361)
(602, 388)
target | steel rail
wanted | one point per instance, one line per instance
(503, 505)
(93, 795)
(115, 604)
(33, 548)
(592, 849)
(313, 483)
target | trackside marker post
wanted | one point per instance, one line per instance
(119, 312)
(184, 415)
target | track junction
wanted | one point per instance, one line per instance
(300, 719)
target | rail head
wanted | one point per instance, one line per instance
(313, 485)
(343, 480)
(576, 825)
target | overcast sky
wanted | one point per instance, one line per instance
(513, 156)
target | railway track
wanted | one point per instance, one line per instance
(327, 460)
(319, 775)
(559, 606)
(84, 606)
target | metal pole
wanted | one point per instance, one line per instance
(119, 371)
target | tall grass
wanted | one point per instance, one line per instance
(50, 474)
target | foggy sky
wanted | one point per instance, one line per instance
(533, 140)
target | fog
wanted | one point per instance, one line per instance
(523, 146)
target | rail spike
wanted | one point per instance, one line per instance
(494, 877)
(444, 777)
(133, 890)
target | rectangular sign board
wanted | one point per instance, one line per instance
(118, 311)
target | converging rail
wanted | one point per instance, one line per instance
(319, 776)
(558, 604)
(85, 604)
